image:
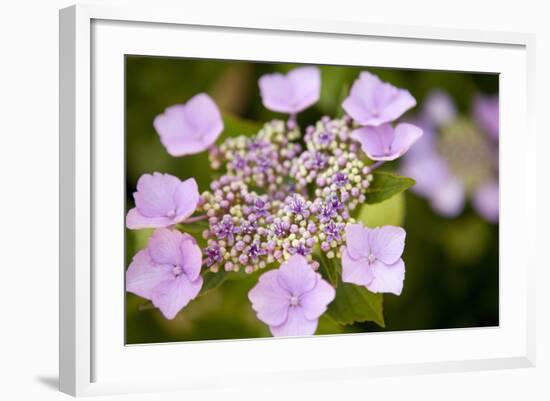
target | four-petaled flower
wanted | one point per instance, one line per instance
(189, 128)
(167, 272)
(162, 200)
(292, 298)
(385, 142)
(373, 102)
(293, 92)
(372, 258)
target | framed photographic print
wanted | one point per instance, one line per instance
(240, 190)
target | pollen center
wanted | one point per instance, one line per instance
(177, 270)
(371, 258)
(171, 213)
(294, 301)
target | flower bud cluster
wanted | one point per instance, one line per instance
(276, 200)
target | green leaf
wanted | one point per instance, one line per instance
(390, 212)
(235, 126)
(330, 269)
(211, 281)
(385, 185)
(356, 304)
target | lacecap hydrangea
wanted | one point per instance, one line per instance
(284, 202)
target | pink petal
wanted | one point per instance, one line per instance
(314, 303)
(387, 243)
(155, 194)
(276, 92)
(135, 221)
(173, 295)
(400, 101)
(296, 324)
(186, 199)
(355, 271)
(388, 278)
(296, 276)
(164, 246)
(204, 117)
(191, 257)
(376, 142)
(357, 240)
(143, 275)
(189, 128)
(406, 135)
(269, 300)
(306, 84)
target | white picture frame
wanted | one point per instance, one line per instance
(94, 360)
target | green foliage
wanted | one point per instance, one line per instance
(389, 212)
(356, 304)
(235, 126)
(212, 280)
(385, 185)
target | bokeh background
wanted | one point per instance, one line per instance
(452, 278)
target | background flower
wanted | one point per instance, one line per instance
(167, 272)
(372, 258)
(189, 128)
(162, 200)
(292, 298)
(293, 92)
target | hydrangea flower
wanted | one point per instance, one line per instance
(189, 128)
(167, 272)
(386, 143)
(372, 258)
(293, 92)
(162, 200)
(373, 102)
(292, 298)
(486, 201)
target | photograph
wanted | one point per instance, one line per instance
(278, 199)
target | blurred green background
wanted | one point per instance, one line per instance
(452, 278)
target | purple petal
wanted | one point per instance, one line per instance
(388, 278)
(376, 142)
(486, 201)
(357, 241)
(314, 303)
(189, 128)
(373, 102)
(186, 199)
(406, 135)
(164, 246)
(155, 195)
(173, 295)
(296, 324)
(191, 257)
(296, 275)
(269, 300)
(387, 243)
(143, 274)
(355, 271)
(448, 199)
(293, 92)
(135, 220)
(430, 173)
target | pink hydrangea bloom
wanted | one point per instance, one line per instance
(372, 258)
(189, 128)
(167, 272)
(373, 102)
(293, 92)
(162, 200)
(385, 142)
(292, 298)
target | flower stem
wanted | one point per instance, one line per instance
(375, 165)
(195, 219)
